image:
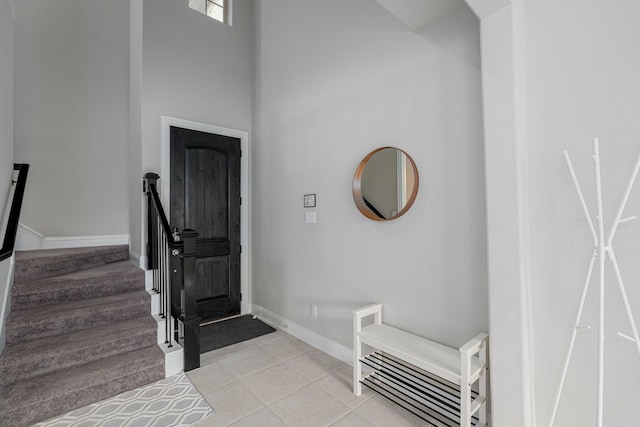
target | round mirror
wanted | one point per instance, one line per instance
(385, 184)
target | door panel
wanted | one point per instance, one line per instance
(205, 196)
(212, 267)
(208, 192)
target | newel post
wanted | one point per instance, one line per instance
(189, 318)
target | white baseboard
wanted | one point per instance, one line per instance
(136, 259)
(85, 241)
(28, 239)
(325, 344)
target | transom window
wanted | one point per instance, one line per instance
(220, 10)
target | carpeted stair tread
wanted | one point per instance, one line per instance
(109, 279)
(43, 397)
(79, 331)
(39, 356)
(32, 265)
(44, 321)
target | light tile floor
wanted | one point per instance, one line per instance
(277, 380)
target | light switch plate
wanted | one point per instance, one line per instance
(310, 217)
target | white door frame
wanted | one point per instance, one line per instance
(165, 140)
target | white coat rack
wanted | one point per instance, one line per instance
(601, 247)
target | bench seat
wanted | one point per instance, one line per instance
(431, 356)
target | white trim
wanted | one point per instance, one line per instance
(174, 356)
(84, 241)
(28, 239)
(522, 159)
(12, 5)
(173, 360)
(320, 342)
(165, 138)
(142, 261)
(136, 258)
(5, 303)
(155, 302)
(148, 279)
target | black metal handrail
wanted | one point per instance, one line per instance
(14, 214)
(171, 257)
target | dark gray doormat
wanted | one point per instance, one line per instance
(221, 334)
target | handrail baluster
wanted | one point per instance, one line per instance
(171, 257)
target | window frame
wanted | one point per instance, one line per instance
(205, 6)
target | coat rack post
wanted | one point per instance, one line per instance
(601, 252)
(602, 248)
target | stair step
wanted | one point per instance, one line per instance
(39, 322)
(40, 398)
(33, 265)
(109, 279)
(29, 359)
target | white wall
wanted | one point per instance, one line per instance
(334, 81)
(135, 128)
(71, 115)
(6, 106)
(583, 81)
(6, 140)
(194, 68)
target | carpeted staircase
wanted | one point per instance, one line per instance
(79, 331)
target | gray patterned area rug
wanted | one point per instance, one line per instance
(170, 402)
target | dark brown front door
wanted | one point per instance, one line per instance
(205, 196)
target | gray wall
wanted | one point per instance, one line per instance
(135, 128)
(6, 139)
(6, 106)
(583, 82)
(71, 114)
(334, 81)
(193, 68)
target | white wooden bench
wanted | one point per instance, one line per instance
(435, 382)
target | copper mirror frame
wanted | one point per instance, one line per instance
(366, 208)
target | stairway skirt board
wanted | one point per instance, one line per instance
(80, 331)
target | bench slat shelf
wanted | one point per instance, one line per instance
(427, 396)
(426, 412)
(429, 379)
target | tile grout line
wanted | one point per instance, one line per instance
(324, 365)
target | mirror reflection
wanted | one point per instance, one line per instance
(385, 184)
